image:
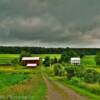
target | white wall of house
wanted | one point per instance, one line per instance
(75, 61)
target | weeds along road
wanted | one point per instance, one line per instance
(57, 91)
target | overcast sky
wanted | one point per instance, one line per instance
(50, 23)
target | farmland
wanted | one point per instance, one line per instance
(90, 90)
(25, 83)
(28, 83)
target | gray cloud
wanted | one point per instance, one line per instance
(50, 23)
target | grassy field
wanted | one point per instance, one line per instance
(91, 91)
(89, 60)
(50, 55)
(40, 55)
(7, 58)
(8, 79)
(28, 83)
(25, 83)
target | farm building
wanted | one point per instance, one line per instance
(75, 61)
(31, 61)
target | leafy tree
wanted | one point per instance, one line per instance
(47, 61)
(24, 54)
(58, 70)
(70, 72)
(91, 76)
(75, 71)
(14, 62)
(97, 58)
(54, 61)
(65, 57)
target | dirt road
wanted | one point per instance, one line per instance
(57, 91)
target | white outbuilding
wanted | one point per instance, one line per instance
(75, 61)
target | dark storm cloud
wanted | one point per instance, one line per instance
(50, 22)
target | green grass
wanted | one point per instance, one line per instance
(40, 55)
(89, 90)
(25, 83)
(50, 55)
(89, 60)
(10, 56)
(81, 91)
(7, 58)
(8, 79)
(32, 88)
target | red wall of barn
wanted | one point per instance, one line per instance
(31, 62)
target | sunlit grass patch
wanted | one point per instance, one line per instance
(32, 89)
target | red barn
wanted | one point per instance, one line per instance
(31, 61)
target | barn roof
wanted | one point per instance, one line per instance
(30, 58)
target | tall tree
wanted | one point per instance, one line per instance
(97, 58)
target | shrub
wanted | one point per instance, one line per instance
(14, 62)
(65, 57)
(70, 72)
(97, 58)
(58, 70)
(24, 53)
(75, 80)
(77, 71)
(47, 61)
(91, 76)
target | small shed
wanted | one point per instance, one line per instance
(75, 61)
(30, 60)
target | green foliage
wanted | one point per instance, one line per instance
(58, 70)
(75, 80)
(70, 72)
(54, 61)
(7, 79)
(97, 58)
(75, 71)
(24, 54)
(14, 62)
(65, 57)
(47, 61)
(88, 60)
(91, 76)
(80, 71)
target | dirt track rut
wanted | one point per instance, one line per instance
(57, 91)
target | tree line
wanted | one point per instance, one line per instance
(43, 50)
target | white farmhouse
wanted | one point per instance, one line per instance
(75, 61)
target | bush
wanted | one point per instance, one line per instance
(77, 71)
(65, 57)
(58, 70)
(75, 80)
(70, 72)
(14, 62)
(47, 61)
(97, 58)
(91, 76)
(24, 54)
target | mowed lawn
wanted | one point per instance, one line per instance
(88, 60)
(7, 58)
